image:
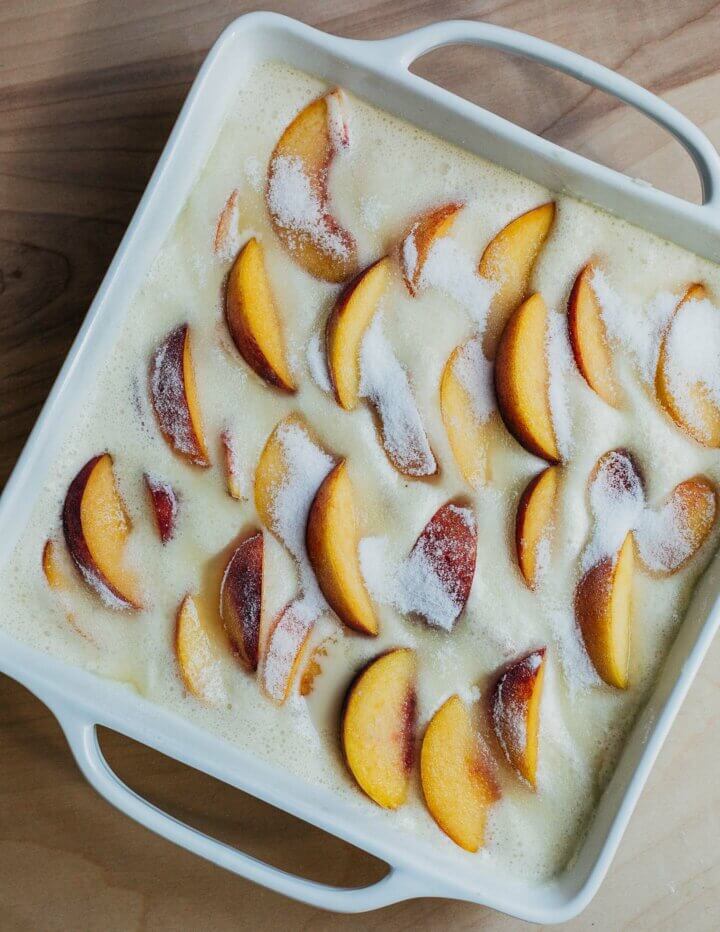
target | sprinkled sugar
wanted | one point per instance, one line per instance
(306, 467)
(693, 356)
(617, 500)
(296, 206)
(317, 363)
(385, 382)
(453, 272)
(560, 364)
(475, 373)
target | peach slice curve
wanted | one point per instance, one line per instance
(457, 779)
(272, 469)
(241, 599)
(298, 174)
(515, 713)
(332, 545)
(603, 613)
(418, 242)
(509, 260)
(253, 320)
(468, 435)
(225, 235)
(682, 525)
(378, 727)
(446, 552)
(588, 338)
(346, 326)
(231, 467)
(52, 568)
(96, 528)
(174, 397)
(521, 380)
(284, 649)
(705, 426)
(196, 653)
(534, 520)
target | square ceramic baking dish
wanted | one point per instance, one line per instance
(378, 72)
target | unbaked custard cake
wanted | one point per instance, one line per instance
(400, 476)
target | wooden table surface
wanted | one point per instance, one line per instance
(88, 94)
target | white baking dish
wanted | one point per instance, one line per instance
(377, 71)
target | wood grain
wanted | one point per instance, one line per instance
(88, 94)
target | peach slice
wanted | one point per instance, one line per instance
(273, 468)
(196, 653)
(669, 537)
(457, 779)
(509, 260)
(442, 565)
(313, 668)
(704, 425)
(174, 397)
(465, 390)
(164, 501)
(346, 327)
(419, 240)
(588, 337)
(224, 242)
(603, 612)
(284, 649)
(297, 194)
(515, 713)
(521, 380)
(332, 545)
(253, 320)
(52, 568)
(96, 528)
(534, 520)
(378, 727)
(241, 599)
(231, 467)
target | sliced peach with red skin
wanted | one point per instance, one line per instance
(447, 547)
(534, 520)
(231, 467)
(96, 528)
(509, 260)
(416, 245)
(174, 397)
(705, 425)
(284, 649)
(456, 775)
(164, 501)
(603, 612)
(241, 599)
(196, 652)
(588, 338)
(378, 727)
(346, 327)
(332, 545)
(515, 713)
(302, 157)
(522, 380)
(253, 319)
(686, 520)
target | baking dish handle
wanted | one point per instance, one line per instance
(395, 886)
(405, 48)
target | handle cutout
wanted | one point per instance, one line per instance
(236, 818)
(566, 111)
